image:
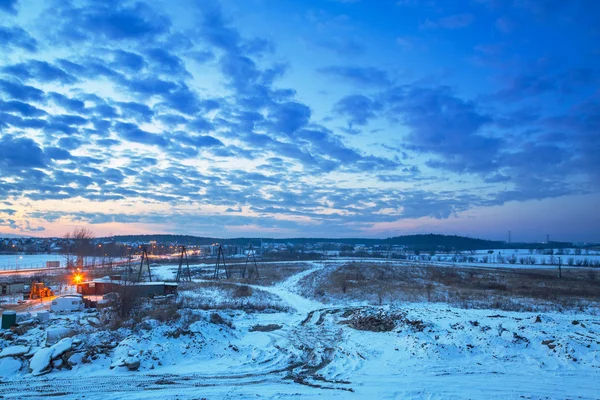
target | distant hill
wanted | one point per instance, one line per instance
(420, 242)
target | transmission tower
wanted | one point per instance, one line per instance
(218, 266)
(144, 258)
(251, 271)
(187, 263)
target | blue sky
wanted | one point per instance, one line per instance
(337, 118)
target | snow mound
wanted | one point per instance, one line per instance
(9, 367)
(14, 351)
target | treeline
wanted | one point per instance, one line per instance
(422, 242)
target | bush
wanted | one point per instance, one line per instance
(215, 318)
(242, 291)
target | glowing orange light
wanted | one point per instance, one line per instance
(77, 278)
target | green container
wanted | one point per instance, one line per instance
(9, 318)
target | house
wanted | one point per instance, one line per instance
(7, 288)
(102, 286)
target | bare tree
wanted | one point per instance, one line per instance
(67, 249)
(83, 244)
(76, 246)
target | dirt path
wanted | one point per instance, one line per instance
(30, 305)
(285, 291)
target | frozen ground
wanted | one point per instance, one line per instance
(311, 350)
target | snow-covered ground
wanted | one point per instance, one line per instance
(310, 350)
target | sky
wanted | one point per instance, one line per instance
(301, 118)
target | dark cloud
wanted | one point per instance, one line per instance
(148, 85)
(138, 111)
(583, 124)
(445, 125)
(133, 133)
(342, 45)
(127, 61)
(9, 6)
(56, 153)
(182, 99)
(25, 109)
(69, 104)
(362, 76)
(200, 124)
(18, 91)
(289, 117)
(534, 84)
(167, 63)
(358, 108)
(39, 71)
(17, 37)
(215, 31)
(108, 21)
(201, 56)
(20, 153)
(455, 21)
(70, 143)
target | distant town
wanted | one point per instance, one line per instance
(86, 251)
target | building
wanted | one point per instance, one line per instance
(7, 288)
(102, 286)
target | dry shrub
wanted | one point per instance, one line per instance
(505, 289)
(375, 322)
(265, 328)
(242, 291)
(162, 313)
(215, 318)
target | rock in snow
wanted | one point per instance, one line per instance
(62, 347)
(14, 351)
(40, 363)
(132, 363)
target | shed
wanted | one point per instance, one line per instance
(11, 288)
(100, 287)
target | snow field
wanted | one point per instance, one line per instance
(434, 351)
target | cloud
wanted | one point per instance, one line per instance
(537, 83)
(138, 111)
(345, 46)
(25, 109)
(361, 76)
(445, 125)
(69, 104)
(289, 117)
(456, 21)
(167, 63)
(17, 37)
(9, 6)
(108, 21)
(133, 133)
(39, 71)
(127, 61)
(18, 153)
(18, 91)
(358, 108)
